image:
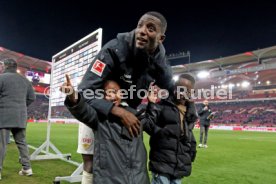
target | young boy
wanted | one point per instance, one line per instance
(173, 146)
(118, 157)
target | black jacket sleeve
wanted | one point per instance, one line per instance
(83, 112)
(192, 116)
(163, 75)
(150, 119)
(97, 73)
(201, 111)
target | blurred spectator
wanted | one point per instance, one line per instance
(16, 93)
(255, 113)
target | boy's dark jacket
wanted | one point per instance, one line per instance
(118, 159)
(172, 151)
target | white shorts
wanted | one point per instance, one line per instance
(86, 140)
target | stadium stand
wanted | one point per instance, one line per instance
(249, 77)
(38, 72)
(245, 113)
(38, 110)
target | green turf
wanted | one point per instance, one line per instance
(231, 158)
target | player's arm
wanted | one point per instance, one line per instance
(98, 72)
(163, 72)
(93, 80)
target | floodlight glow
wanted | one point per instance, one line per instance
(245, 84)
(224, 86)
(238, 84)
(203, 74)
(18, 71)
(231, 85)
(267, 82)
(175, 77)
(259, 82)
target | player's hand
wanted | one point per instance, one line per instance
(129, 120)
(68, 89)
(205, 108)
(153, 93)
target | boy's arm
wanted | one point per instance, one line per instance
(82, 112)
(191, 117)
(193, 147)
(75, 103)
(150, 118)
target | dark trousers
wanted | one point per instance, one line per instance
(19, 135)
(203, 130)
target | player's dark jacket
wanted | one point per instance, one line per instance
(203, 115)
(118, 158)
(171, 150)
(120, 61)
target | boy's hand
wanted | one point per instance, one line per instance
(153, 93)
(68, 89)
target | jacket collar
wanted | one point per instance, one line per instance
(10, 70)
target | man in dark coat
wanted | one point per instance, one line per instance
(205, 115)
(133, 60)
(16, 93)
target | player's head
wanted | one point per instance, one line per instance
(183, 88)
(9, 64)
(150, 31)
(112, 92)
(205, 102)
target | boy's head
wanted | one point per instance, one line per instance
(112, 92)
(183, 88)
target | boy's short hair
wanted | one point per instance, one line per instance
(186, 76)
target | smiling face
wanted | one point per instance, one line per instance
(112, 92)
(148, 34)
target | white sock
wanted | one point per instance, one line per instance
(87, 178)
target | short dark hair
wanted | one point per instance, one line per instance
(109, 81)
(188, 77)
(161, 18)
(10, 63)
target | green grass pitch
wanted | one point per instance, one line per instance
(231, 158)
